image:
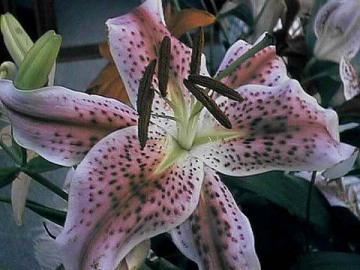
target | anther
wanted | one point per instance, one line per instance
(144, 85)
(164, 63)
(210, 104)
(144, 102)
(144, 118)
(197, 51)
(215, 85)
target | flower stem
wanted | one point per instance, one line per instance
(266, 41)
(308, 66)
(308, 203)
(49, 185)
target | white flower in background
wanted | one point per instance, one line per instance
(267, 14)
(344, 191)
(337, 28)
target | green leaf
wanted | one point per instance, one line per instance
(289, 192)
(40, 165)
(19, 153)
(7, 175)
(48, 184)
(354, 172)
(54, 215)
(349, 111)
(328, 261)
(351, 136)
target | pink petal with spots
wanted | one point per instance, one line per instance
(117, 200)
(135, 40)
(349, 79)
(264, 68)
(279, 128)
(59, 124)
(217, 235)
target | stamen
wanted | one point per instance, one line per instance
(197, 51)
(144, 118)
(217, 86)
(144, 85)
(144, 102)
(210, 104)
(164, 63)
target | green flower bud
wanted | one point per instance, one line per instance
(16, 40)
(8, 70)
(38, 62)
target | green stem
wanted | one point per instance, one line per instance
(49, 185)
(267, 40)
(308, 66)
(308, 203)
(316, 76)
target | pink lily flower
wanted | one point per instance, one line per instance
(124, 192)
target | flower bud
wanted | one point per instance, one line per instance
(8, 70)
(38, 62)
(337, 27)
(16, 40)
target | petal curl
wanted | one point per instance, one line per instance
(264, 68)
(279, 128)
(337, 29)
(60, 124)
(117, 200)
(320, 23)
(217, 235)
(135, 40)
(349, 79)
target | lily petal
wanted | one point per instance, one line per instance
(117, 200)
(19, 192)
(135, 40)
(264, 68)
(323, 15)
(278, 128)
(217, 235)
(349, 79)
(136, 257)
(59, 124)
